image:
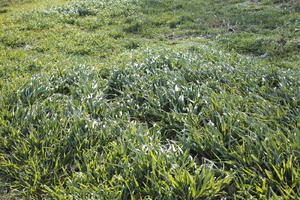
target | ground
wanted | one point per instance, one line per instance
(149, 99)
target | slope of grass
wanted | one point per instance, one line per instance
(156, 99)
(166, 125)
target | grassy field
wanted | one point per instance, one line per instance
(150, 99)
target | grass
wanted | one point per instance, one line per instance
(156, 99)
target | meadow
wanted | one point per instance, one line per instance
(150, 99)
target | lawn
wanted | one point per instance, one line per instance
(149, 99)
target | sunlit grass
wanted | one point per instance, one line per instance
(166, 125)
(131, 100)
